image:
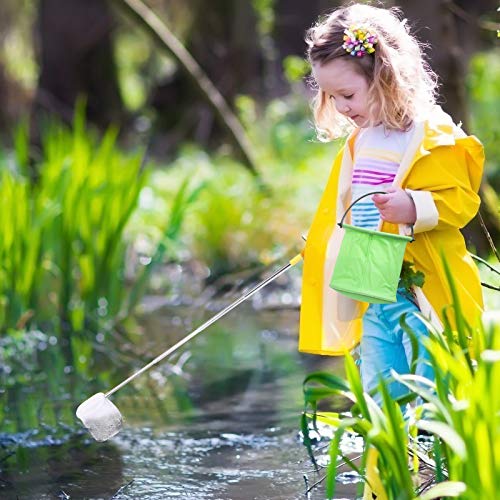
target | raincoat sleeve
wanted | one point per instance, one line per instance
(445, 185)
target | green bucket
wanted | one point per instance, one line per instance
(369, 262)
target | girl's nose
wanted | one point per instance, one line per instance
(342, 107)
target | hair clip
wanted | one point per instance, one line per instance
(359, 41)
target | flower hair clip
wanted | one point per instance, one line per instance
(359, 41)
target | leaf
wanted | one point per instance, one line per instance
(447, 434)
(356, 386)
(416, 384)
(462, 326)
(328, 380)
(410, 277)
(306, 439)
(314, 394)
(438, 459)
(331, 471)
(444, 489)
(328, 417)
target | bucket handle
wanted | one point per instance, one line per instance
(340, 224)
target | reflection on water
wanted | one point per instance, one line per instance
(219, 420)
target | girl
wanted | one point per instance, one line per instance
(371, 77)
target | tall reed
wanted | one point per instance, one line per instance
(62, 243)
(63, 238)
(460, 409)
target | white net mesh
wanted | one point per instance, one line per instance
(100, 416)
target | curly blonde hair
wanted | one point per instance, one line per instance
(401, 83)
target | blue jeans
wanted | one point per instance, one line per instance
(386, 346)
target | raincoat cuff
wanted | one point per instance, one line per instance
(427, 214)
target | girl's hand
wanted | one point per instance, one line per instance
(396, 206)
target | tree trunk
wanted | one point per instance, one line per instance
(224, 42)
(195, 78)
(14, 104)
(76, 58)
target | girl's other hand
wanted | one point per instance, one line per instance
(396, 206)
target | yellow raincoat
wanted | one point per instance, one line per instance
(441, 170)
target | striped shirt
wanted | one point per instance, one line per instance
(377, 155)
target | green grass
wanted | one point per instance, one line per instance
(63, 234)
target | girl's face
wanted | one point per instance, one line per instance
(348, 89)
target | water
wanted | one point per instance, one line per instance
(220, 420)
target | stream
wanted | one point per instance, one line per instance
(219, 420)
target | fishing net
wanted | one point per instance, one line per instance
(100, 416)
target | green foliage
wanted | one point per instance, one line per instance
(265, 14)
(410, 277)
(295, 68)
(463, 408)
(63, 241)
(235, 223)
(460, 409)
(483, 84)
(61, 237)
(382, 428)
(133, 56)
(221, 230)
(167, 244)
(18, 356)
